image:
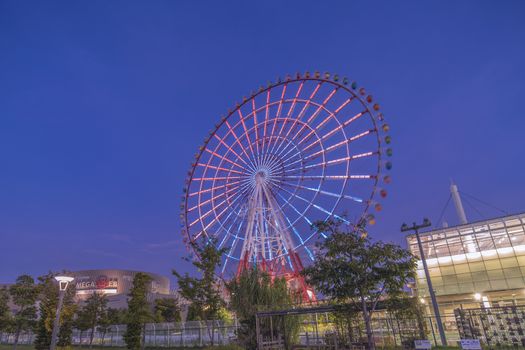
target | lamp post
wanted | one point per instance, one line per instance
(63, 282)
(415, 228)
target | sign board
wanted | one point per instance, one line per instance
(422, 344)
(470, 344)
(100, 283)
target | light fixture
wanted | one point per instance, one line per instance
(477, 296)
(63, 281)
(421, 300)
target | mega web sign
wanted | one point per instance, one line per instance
(101, 284)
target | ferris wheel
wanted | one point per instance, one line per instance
(306, 148)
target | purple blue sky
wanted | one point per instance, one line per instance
(104, 103)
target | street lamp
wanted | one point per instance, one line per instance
(415, 228)
(63, 282)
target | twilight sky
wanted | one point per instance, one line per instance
(104, 103)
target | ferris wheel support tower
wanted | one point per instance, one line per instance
(267, 237)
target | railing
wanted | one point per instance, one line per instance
(178, 334)
(321, 329)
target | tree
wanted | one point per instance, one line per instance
(167, 310)
(204, 293)
(5, 313)
(350, 268)
(108, 318)
(408, 312)
(139, 312)
(48, 302)
(81, 322)
(95, 307)
(66, 321)
(251, 290)
(24, 294)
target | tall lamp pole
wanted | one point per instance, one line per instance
(63, 282)
(415, 228)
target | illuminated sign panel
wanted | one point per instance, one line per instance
(101, 284)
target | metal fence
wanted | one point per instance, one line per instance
(495, 326)
(319, 327)
(178, 334)
(323, 327)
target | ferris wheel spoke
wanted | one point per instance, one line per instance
(255, 127)
(228, 232)
(278, 167)
(226, 260)
(215, 154)
(294, 230)
(234, 244)
(241, 146)
(314, 115)
(305, 107)
(230, 149)
(213, 198)
(330, 148)
(278, 114)
(319, 140)
(289, 147)
(330, 133)
(218, 168)
(283, 156)
(330, 177)
(267, 155)
(206, 202)
(327, 193)
(200, 191)
(339, 144)
(300, 215)
(296, 146)
(221, 226)
(279, 109)
(292, 106)
(218, 178)
(246, 133)
(288, 115)
(266, 118)
(267, 159)
(213, 210)
(330, 162)
(345, 124)
(226, 235)
(330, 116)
(278, 117)
(217, 217)
(316, 206)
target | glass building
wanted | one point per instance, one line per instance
(474, 265)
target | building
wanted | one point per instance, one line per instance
(116, 285)
(473, 265)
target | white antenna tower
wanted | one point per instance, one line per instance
(457, 203)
